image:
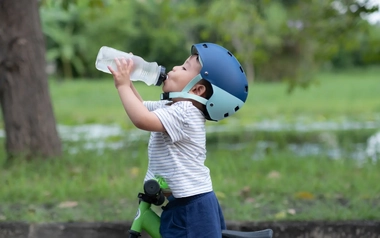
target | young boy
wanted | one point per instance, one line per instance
(210, 85)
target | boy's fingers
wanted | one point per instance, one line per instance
(122, 64)
(117, 62)
(110, 69)
(127, 65)
(130, 64)
(124, 61)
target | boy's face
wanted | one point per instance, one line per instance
(181, 75)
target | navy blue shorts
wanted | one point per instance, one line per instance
(192, 217)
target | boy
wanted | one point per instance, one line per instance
(210, 85)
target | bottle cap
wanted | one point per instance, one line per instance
(162, 76)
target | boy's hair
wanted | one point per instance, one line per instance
(208, 86)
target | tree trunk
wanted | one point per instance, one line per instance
(30, 127)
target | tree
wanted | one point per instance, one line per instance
(243, 25)
(286, 40)
(29, 121)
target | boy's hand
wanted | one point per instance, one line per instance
(122, 75)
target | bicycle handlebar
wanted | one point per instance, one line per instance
(152, 193)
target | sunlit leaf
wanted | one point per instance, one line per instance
(280, 215)
(134, 172)
(304, 195)
(274, 175)
(245, 192)
(220, 195)
(291, 211)
(68, 204)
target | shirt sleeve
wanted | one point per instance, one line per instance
(173, 119)
(153, 105)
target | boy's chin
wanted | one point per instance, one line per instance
(166, 89)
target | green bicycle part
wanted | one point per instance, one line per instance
(146, 220)
(163, 184)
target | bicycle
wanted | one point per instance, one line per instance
(146, 219)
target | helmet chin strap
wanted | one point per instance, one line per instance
(185, 92)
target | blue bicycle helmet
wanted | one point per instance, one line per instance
(226, 76)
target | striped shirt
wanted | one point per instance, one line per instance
(178, 155)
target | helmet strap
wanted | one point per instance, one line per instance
(185, 92)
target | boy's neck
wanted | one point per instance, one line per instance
(196, 104)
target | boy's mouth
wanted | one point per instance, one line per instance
(167, 76)
(164, 80)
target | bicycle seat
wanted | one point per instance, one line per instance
(267, 233)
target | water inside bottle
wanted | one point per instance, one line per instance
(101, 64)
(146, 72)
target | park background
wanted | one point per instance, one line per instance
(305, 146)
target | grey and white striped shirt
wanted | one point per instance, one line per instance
(178, 155)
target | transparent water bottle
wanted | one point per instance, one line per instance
(149, 72)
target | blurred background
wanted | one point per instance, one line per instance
(305, 146)
(274, 40)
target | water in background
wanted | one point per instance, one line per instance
(100, 137)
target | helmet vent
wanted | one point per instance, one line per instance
(246, 88)
(211, 104)
(226, 114)
(229, 53)
(241, 69)
(237, 108)
(205, 45)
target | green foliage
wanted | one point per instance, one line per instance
(363, 50)
(62, 23)
(273, 39)
(75, 32)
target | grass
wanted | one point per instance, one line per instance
(279, 186)
(282, 186)
(93, 186)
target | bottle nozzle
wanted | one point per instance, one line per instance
(162, 77)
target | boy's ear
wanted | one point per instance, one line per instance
(199, 90)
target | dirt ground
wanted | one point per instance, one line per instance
(315, 229)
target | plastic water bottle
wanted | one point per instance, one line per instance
(149, 72)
